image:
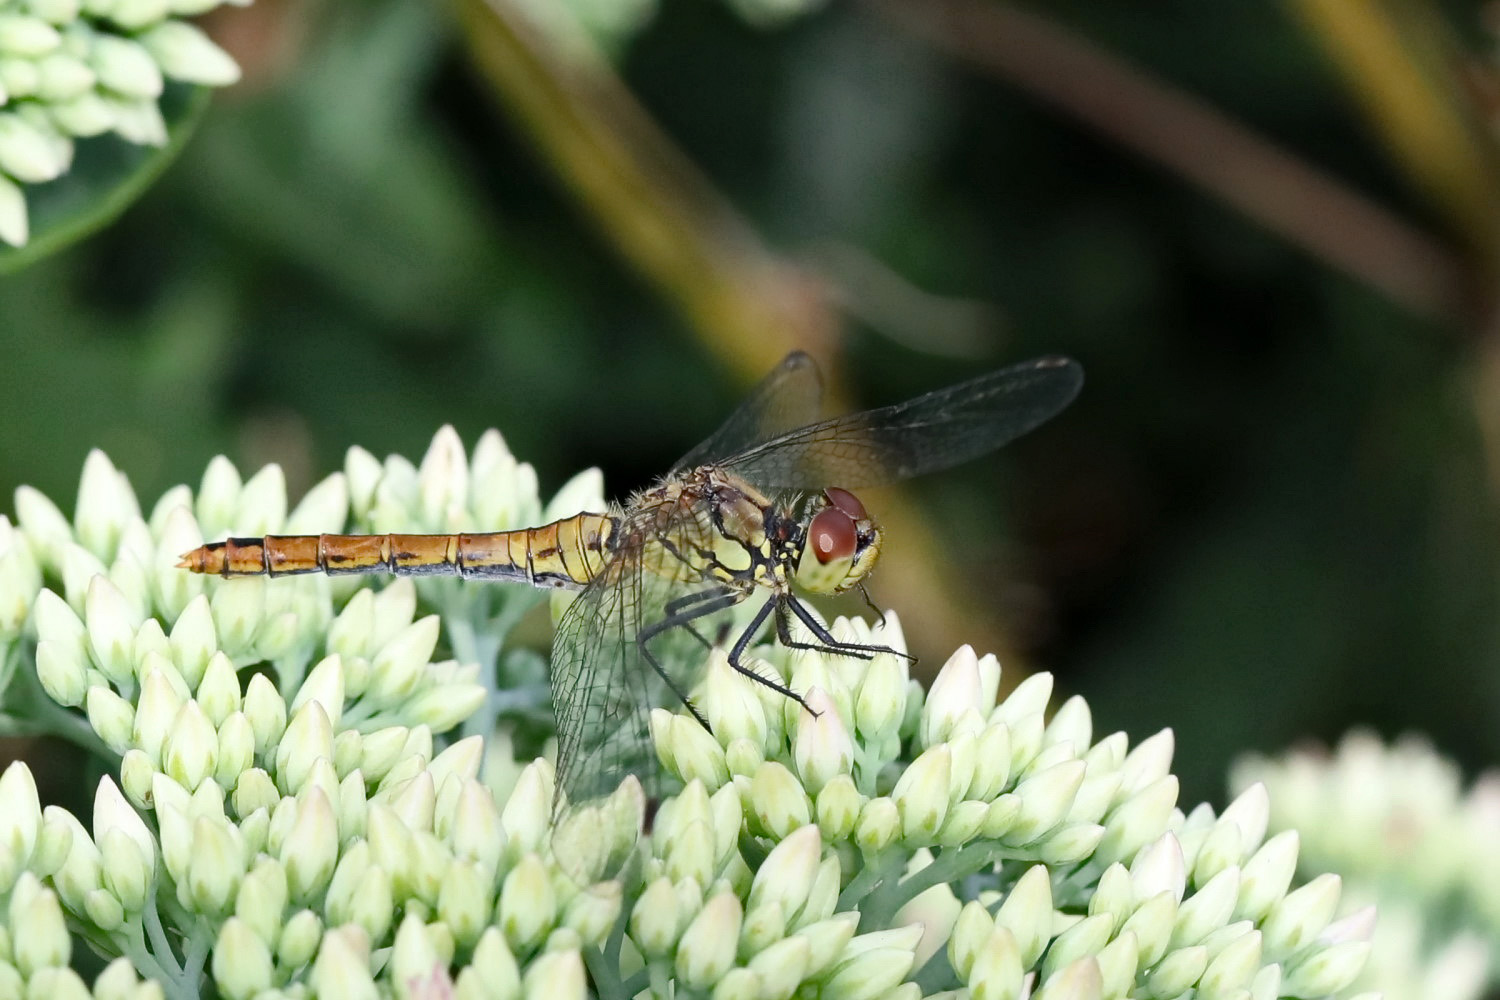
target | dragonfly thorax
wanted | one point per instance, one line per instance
(840, 544)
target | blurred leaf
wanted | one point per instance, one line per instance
(108, 174)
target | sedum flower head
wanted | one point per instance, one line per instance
(294, 802)
(1398, 824)
(72, 69)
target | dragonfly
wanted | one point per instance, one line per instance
(764, 506)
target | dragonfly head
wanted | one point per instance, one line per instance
(841, 545)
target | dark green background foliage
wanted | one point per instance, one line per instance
(1267, 517)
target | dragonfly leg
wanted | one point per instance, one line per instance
(679, 604)
(826, 642)
(743, 643)
(681, 613)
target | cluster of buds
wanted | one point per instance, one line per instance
(71, 69)
(1396, 822)
(294, 812)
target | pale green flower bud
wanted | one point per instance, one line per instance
(1086, 938)
(79, 567)
(838, 807)
(20, 821)
(993, 969)
(236, 750)
(1147, 764)
(173, 589)
(300, 938)
(476, 832)
(879, 825)
(1250, 812)
(414, 959)
(775, 801)
(1152, 924)
(398, 668)
(1080, 981)
(1219, 852)
(62, 668)
(786, 876)
(762, 927)
(215, 867)
(744, 757)
(707, 948)
(1071, 844)
(194, 642)
(655, 919)
(733, 710)
(176, 830)
(556, 975)
(1028, 699)
(688, 750)
(311, 849)
(104, 909)
(464, 901)
(342, 969)
(1207, 910)
(118, 981)
(953, 703)
(495, 966)
(242, 964)
(43, 523)
(778, 968)
(262, 899)
(1027, 913)
(218, 692)
(1267, 875)
(1118, 962)
(970, 936)
(27, 152)
(415, 803)
(308, 737)
(1297, 919)
(1044, 801)
(821, 747)
(20, 580)
(881, 701)
(191, 749)
(81, 873)
(267, 712)
(261, 505)
(441, 708)
(253, 790)
(105, 499)
(127, 848)
(39, 935)
(352, 807)
(15, 228)
(443, 482)
(922, 794)
(528, 905)
(1234, 966)
(826, 941)
(1159, 867)
(325, 685)
(593, 912)
(185, 53)
(1139, 821)
(873, 964)
(525, 816)
(111, 630)
(690, 853)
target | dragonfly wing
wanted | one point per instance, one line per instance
(603, 690)
(926, 434)
(791, 396)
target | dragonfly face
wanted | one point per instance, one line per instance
(841, 543)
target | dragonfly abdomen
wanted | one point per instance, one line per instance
(566, 553)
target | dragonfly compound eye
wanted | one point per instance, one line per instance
(846, 502)
(832, 535)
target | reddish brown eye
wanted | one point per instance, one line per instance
(832, 535)
(846, 502)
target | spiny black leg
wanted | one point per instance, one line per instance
(743, 643)
(688, 609)
(676, 605)
(832, 645)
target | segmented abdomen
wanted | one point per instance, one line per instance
(566, 553)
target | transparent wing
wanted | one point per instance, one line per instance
(791, 396)
(603, 690)
(932, 432)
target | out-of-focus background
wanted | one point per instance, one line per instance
(1268, 231)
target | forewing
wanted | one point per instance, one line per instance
(791, 396)
(926, 434)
